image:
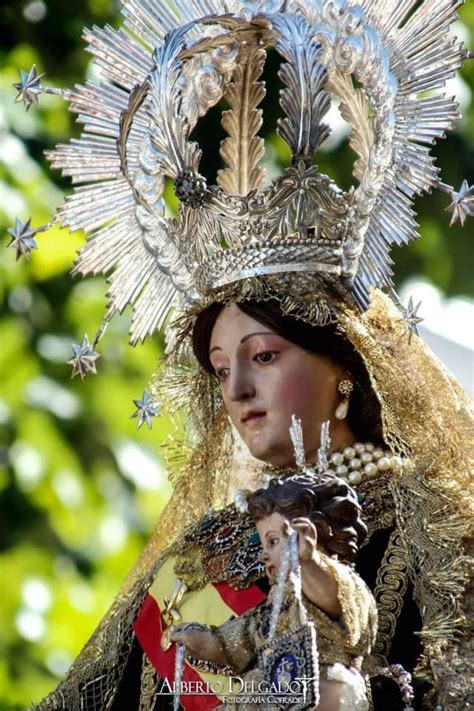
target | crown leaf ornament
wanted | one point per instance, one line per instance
(385, 62)
(242, 150)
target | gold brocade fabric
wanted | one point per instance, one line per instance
(359, 618)
(426, 417)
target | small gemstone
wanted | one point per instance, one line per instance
(337, 458)
(377, 453)
(366, 457)
(341, 470)
(359, 448)
(369, 446)
(355, 463)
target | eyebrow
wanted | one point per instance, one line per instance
(245, 338)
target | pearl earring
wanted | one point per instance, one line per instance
(345, 387)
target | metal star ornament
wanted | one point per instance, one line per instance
(84, 359)
(146, 410)
(412, 319)
(29, 88)
(22, 238)
(462, 205)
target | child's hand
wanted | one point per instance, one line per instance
(307, 538)
(193, 636)
(317, 581)
(199, 640)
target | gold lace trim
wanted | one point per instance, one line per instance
(389, 591)
(149, 685)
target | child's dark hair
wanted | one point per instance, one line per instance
(330, 503)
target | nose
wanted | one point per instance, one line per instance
(241, 385)
(264, 556)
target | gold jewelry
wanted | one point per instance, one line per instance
(170, 613)
(345, 387)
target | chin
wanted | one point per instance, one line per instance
(270, 454)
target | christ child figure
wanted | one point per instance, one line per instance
(325, 514)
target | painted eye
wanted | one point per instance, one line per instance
(266, 357)
(221, 373)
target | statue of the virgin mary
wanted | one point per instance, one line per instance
(276, 299)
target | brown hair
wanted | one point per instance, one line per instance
(329, 502)
(364, 416)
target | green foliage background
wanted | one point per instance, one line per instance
(74, 513)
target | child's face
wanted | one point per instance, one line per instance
(272, 531)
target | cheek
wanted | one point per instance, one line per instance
(232, 408)
(297, 393)
(276, 555)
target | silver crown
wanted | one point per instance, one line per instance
(386, 62)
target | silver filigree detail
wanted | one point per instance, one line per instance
(296, 434)
(304, 102)
(324, 447)
(462, 205)
(147, 410)
(29, 87)
(242, 150)
(84, 360)
(386, 61)
(411, 318)
(190, 188)
(23, 238)
(241, 498)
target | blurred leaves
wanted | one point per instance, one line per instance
(80, 488)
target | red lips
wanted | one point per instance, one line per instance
(252, 415)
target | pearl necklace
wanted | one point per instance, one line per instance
(360, 462)
(355, 464)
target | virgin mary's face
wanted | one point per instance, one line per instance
(264, 379)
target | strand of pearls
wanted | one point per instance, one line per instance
(178, 674)
(295, 576)
(282, 576)
(361, 461)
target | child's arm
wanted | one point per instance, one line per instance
(317, 580)
(232, 644)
